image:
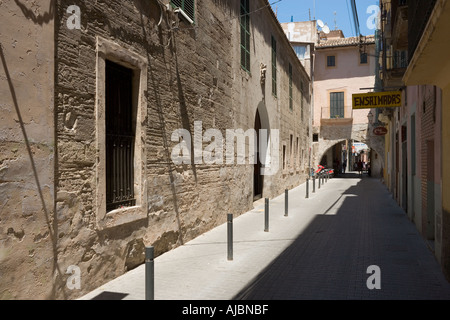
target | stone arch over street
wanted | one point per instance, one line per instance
(332, 138)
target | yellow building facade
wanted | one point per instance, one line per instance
(430, 65)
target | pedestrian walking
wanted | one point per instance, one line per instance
(360, 167)
(344, 166)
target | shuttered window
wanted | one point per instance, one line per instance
(245, 35)
(291, 97)
(336, 105)
(274, 66)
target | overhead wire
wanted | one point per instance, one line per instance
(355, 18)
(350, 19)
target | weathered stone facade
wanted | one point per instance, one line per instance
(182, 74)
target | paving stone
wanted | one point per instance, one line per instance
(320, 251)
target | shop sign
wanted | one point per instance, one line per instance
(377, 100)
(380, 131)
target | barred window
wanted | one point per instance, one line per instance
(331, 61)
(120, 136)
(363, 58)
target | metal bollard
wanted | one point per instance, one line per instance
(230, 236)
(307, 188)
(319, 178)
(314, 184)
(266, 216)
(149, 273)
(286, 202)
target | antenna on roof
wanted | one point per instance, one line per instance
(335, 23)
(314, 13)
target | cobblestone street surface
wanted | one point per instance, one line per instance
(321, 250)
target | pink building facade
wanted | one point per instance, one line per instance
(343, 67)
(413, 156)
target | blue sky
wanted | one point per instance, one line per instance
(325, 9)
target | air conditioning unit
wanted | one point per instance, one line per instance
(181, 12)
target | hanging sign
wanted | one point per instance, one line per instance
(377, 100)
(380, 131)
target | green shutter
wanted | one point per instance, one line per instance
(274, 66)
(245, 34)
(337, 105)
(291, 100)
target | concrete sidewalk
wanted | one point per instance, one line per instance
(321, 250)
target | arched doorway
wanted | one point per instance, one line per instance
(257, 177)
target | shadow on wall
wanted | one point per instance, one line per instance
(162, 121)
(52, 222)
(38, 19)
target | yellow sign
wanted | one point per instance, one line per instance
(377, 100)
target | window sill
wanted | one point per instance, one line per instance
(245, 74)
(122, 216)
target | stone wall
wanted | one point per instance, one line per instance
(27, 228)
(193, 75)
(52, 215)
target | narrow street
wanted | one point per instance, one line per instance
(132, 130)
(329, 259)
(322, 250)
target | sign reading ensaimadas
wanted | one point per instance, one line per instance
(377, 100)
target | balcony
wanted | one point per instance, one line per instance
(398, 61)
(400, 27)
(336, 116)
(396, 65)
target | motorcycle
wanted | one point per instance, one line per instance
(322, 170)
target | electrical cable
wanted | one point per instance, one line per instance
(349, 18)
(355, 18)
